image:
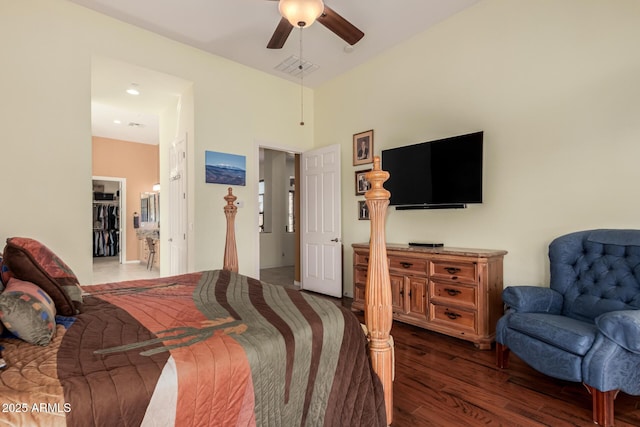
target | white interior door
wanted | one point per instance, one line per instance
(321, 225)
(177, 239)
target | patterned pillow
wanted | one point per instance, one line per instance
(32, 261)
(28, 312)
(5, 274)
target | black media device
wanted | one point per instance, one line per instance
(427, 244)
(441, 174)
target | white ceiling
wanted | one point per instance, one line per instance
(138, 115)
(240, 29)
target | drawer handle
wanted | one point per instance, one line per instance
(406, 264)
(451, 315)
(452, 292)
(452, 270)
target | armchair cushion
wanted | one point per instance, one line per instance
(621, 327)
(574, 336)
(532, 299)
(597, 271)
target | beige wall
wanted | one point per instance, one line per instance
(46, 126)
(553, 83)
(139, 164)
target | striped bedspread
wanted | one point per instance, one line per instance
(204, 349)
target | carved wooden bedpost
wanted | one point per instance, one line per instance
(230, 250)
(377, 300)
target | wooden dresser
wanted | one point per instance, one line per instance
(453, 291)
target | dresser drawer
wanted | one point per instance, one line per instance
(361, 259)
(358, 292)
(454, 294)
(455, 271)
(360, 275)
(406, 265)
(456, 318)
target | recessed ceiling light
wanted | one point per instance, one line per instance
(116, 121)
(133, 89)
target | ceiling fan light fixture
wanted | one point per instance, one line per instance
(301, 13)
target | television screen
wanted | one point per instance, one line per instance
(437, 173)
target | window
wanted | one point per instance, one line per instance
(291, 220)
(261, 205)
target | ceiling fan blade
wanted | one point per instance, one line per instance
(280, 35)
(340, 26)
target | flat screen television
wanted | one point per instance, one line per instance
(446, 173)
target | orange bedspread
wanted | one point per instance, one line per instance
(202, 349)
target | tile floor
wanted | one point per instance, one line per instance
(108, 269)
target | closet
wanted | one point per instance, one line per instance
(106, 218)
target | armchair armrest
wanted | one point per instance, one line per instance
(621, 327)
(532, 299)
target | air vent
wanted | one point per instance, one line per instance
(135, 125)
(291, 66)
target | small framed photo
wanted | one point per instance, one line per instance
(363, 148)
(362, 185)
(363, 210)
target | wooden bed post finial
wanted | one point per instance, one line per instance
(378, 312)
(230, 250)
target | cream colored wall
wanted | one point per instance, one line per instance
(46, 138)
(554, 86)
(139, 164)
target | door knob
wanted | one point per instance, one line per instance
(335, 240)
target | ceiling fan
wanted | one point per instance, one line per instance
(290, 10)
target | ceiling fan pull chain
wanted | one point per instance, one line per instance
(301, 68)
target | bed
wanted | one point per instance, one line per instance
(212, 348)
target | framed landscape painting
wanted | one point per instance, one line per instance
(224, 168)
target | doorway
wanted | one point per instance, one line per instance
(109, 200)
(110, 233)
(316, 238)
(278, 213)
(139, 110)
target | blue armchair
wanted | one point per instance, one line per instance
(586, 326)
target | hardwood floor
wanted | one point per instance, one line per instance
(443, 381)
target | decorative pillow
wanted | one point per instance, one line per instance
(5, 274)
(28, 312)
(32, 261)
